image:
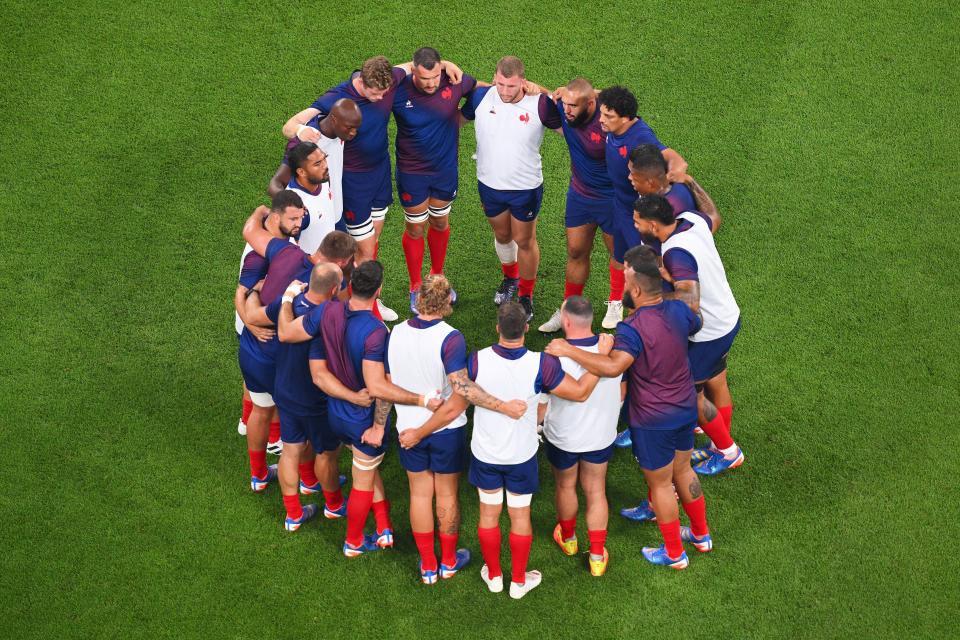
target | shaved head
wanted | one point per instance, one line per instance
(580, 86)
(344, 120)
(325, 277)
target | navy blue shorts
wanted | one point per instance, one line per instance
(350, 433)
(565, 459)
(519, 479)
(524, 205)
(625, 235)
(656, 448)
(709, 359)
(441, 452)
(295, 429)
(364, 191)
(415, 189)
(582, 210)
(258, 372)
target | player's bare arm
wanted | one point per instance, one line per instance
(610, 365)
(254, 233)
(255, 313)
(280, 180)
(475, 395)
(374, 434)
(263, 334)
(297, 125)
(705, 203)
(290, 329)
(330, 385)
(676, 165)
(380, 387)
(453, 407)
(688, 291)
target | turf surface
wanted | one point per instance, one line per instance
(137, 137)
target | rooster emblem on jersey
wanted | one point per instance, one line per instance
(446, 94)
(623, 152)
(524, 118)
(594, 136)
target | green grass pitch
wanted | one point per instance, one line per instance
(136, 137)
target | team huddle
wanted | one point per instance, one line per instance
(322, 371)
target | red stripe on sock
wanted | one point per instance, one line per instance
(598, 538)
(293, 506)
(258, 463)
(334, 499)
(490, 549)
(381, 513)
(358, 508)
(568, 528)
(717, 431)
(571, 289)
(697, 512)
(428, 556)
(247, 409)
(617, 281)
(671, 538)
(519, 554)
(438, 241)
(413, 255)
(511, 270)
(448, 548)
(308, 474)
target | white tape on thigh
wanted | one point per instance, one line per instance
(416, 218)
(439, 212)
(361, 231)
(491, 498)
(515, 501)
(368, 465)
(261, 399)
(506, 252)
(378, 215)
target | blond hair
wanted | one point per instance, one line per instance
(510, 66)
(377, 73)
(433, 296)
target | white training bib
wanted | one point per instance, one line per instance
(333, 147)
(498, 439)
(508, 142)
(323, 219)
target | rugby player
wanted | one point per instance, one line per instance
(346, 359)
(625, 130)
(509, 126)
(651, 347)
(424, 354)
(504, 450)
(578, 438)
(426, 107)
(311, 181)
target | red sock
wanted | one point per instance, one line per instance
(438, 241)
(511, 270)
(727, 413)
(274, 432)
(376, 249)
(376, 311)
(717, 431)
(697, 512)
(358, 508)
(671, 538)
(571, 289)
(334, 499)
(526, 287)
(413, 254)
(294, 508)
(568, 528)
(448, 548)
(519, 554)
(428, 557)
(381, 513)
(247, 409)
(258, 463)
(598, 538)
(490, 549)
(308, 474)
(616, 283)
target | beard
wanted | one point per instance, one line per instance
(580, 120)
(628, 302)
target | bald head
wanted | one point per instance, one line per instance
(580, 86)
(343, 121)
(325, 279)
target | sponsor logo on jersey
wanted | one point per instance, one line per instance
(409, 105)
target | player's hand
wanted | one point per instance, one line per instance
(605, 346)
(560, 93)
(678, 172)
(263, 211)
(263, 334)
(665, 274)
(309, 134)
(454, 72)
(362, 398)
(410, 438)
(531, 88)
(373, 436)
(558, 347)
(514, 409)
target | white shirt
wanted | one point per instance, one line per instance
(333, 147)
(508, 142)
(323, 218)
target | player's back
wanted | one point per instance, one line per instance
(294, 390)
(286, 262)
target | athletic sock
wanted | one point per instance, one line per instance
(617, 281)
(381, 513)
(598, 538)
(308, 474)
(247, 409)
(731, 452)
(274, 434)
(376, 311)
(334, 499)
(671, 538)
(571, 289)
(526, 287)
(438, 241)
(511, 270)
(568, 528)
(697, 512)
(448, 548)
(258, 464)
(358, 508)
(413, 254)
(490, 549)
(293, 506)
(717, 431)
(727, 413)
(428, 557)
(519, 554)
(376, 249)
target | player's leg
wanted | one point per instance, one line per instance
(507, 253)
(247, 408)
(726, 454)
(258, 426)
(655, 450)
(381, 199)
(381, 512)
(414, 246)
(691, 497)
(528, 258)
(438, 233)
(488, 480)
(579, 245)
(565, 468)
(452, 559)
(521, 481)
(274, 443)
(421, 522)
(593, 481)
(718, 391)
(614, 312)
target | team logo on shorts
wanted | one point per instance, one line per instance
(524, 118)
(349, 215)
(406, 197)
(446, 94)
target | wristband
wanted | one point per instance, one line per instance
(286, 300)
(300, 129)
(427, 397)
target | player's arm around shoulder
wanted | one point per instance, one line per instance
(477, 396)
(705, 203)
(608, 362)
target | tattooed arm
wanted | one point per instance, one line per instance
(474, 394)
(688, 291)
(705, 203)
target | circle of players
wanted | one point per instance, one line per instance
(321, 370)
